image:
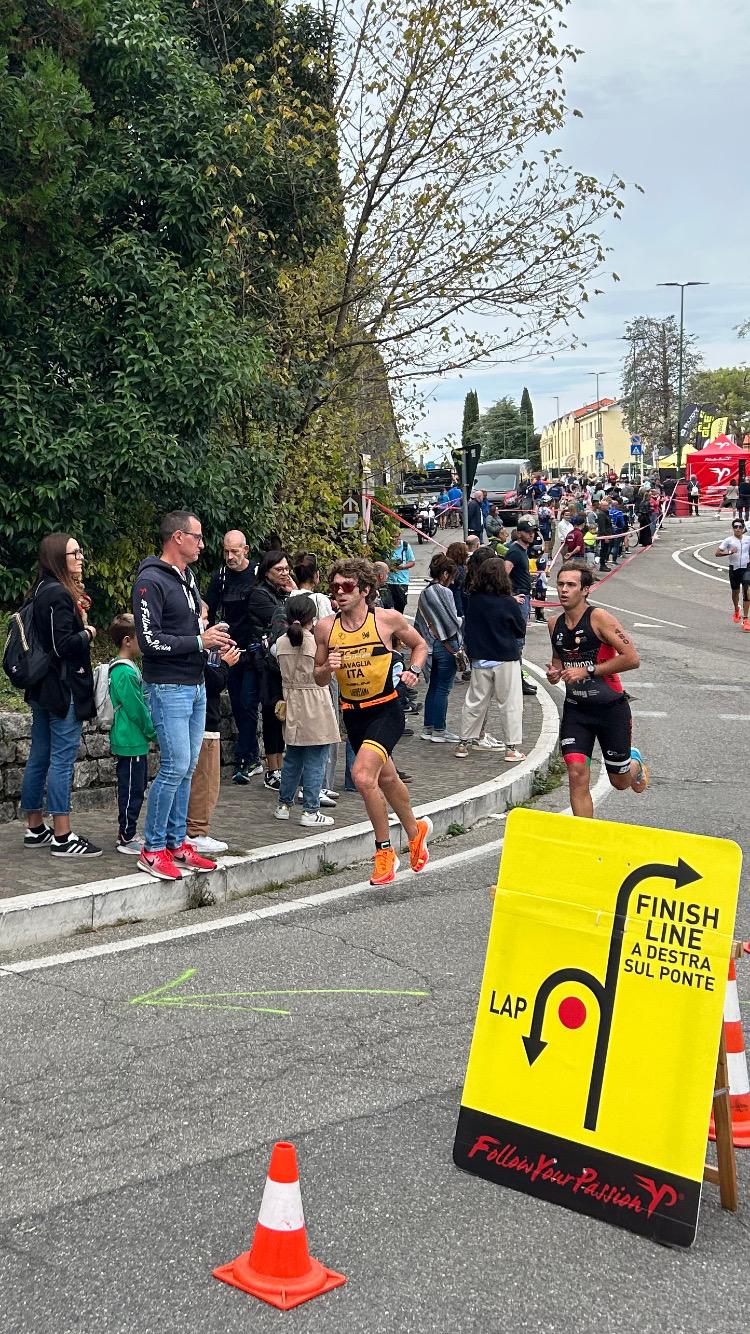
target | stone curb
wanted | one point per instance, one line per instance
(34, 919)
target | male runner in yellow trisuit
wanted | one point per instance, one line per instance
(356, 645)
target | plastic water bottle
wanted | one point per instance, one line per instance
(214, 657)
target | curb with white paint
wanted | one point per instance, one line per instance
(34, 919)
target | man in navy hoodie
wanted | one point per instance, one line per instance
(173, 641)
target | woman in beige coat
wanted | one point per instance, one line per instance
(311, 725)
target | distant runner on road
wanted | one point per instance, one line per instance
(589, 650)
(737, 548)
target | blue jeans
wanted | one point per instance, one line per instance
(442, 676)
(179, 716)
(54, 746)
(242, 687)
(307, 763)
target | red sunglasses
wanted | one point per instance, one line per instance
(344, 585)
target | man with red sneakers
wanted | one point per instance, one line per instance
(173, 641)
(737, 548)
(357, 645)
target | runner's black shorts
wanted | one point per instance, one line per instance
(739, 577)
(611, 725)
(379, 728)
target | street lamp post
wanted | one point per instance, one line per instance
(557, 431)
(682, 286)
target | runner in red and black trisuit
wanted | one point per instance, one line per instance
(589, 650)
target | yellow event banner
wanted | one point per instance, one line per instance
(592, 1066)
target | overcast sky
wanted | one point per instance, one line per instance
(663, 86)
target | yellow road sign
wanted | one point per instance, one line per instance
(591, 1071)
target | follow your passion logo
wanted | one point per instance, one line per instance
(586, 1180)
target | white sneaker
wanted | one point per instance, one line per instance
(208, 846)
(281, 812)
(314, 819)
(440, 737)
(326, 799)
(488, 742)
(132, 847)
(329, 792)
(426, 734)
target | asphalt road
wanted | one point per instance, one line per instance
(134, 1137)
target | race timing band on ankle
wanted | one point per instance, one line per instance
(379, 846)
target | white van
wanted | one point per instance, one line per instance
(506, 482)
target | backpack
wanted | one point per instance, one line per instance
(105, 713)
(25, 662)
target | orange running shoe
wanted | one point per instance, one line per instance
(746, 624)
(736, 618)
(418, 854)
(386, 866)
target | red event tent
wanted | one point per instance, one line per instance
(717, 466)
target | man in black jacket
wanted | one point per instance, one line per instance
(227, 599)
(604, 530)
(173, 641)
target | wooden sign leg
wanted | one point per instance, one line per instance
(725, 1175)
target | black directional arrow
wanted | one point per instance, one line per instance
(533, 1043)
(682, 874)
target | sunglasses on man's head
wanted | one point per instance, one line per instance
(343, 585)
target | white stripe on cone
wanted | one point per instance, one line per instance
(281, 1206)
(732, 1004)
(739, 1085)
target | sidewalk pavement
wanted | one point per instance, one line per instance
(42, 898)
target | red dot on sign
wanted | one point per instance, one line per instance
(572, 1012)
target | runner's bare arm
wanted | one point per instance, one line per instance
(609, 630)
(719, 552)
(326, 661)
(392, 625)
(554, 668)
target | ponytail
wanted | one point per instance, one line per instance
(300, 613)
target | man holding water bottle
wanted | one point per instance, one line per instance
(174, 642)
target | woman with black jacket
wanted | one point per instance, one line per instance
(273, 586)
(62, 700)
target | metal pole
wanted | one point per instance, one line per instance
(635, 400)
(598, 426)
(465, 495)
(557, 434)
(679, 382)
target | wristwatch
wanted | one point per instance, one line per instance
(415, 671)
(591, 668)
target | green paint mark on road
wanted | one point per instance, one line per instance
(164, 998)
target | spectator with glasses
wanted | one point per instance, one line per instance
(173, 641)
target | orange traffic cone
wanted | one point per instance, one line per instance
(739, 1086)
(279, 1268)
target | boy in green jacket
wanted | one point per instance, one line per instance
(132, 730)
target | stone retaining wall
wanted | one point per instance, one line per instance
(94, 773)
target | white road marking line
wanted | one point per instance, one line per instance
(691, 568)
(644, 625)
(714, 564)
(599, 791)
(645, 685)
(735, 717)
(644, 713)
(659, 619)
(716, 685)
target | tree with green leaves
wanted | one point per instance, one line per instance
(151, 208)
(649, 378)
(728, 391)
(470, 418)
(502, 431)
